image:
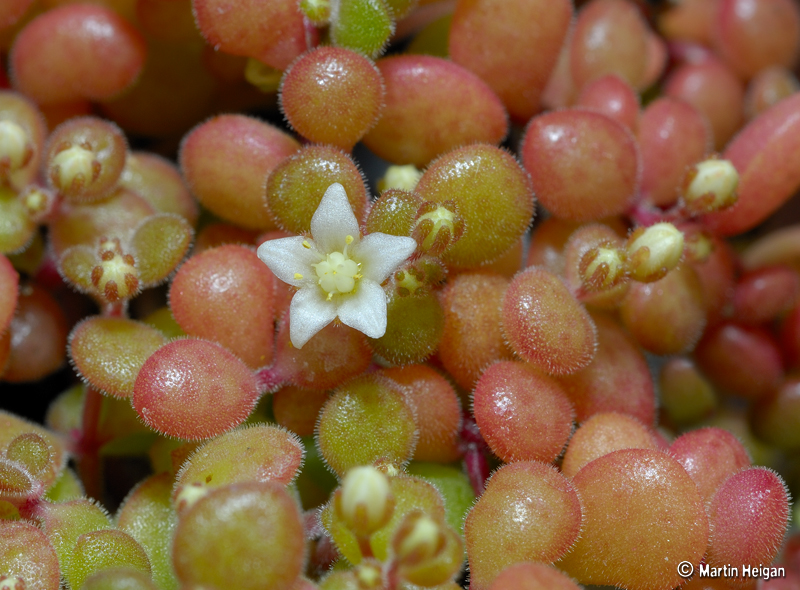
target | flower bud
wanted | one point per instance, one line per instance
(710, 186)
(401, 177)
(262, 76)
(602, 268)
(317, 11)
(369, 575)
(427, 551)
(654, 251)
(116, 277)
(364, 502)
(37, 201)
(74, 167)
(697, 245)
(16, 148)
(11, 583)
(410, 281)
(437, 226)
(418, 539)
(187, 496)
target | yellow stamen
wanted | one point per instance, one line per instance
(298, 276)
(306, 245)
(348, 240)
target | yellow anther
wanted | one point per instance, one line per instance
(348, 240)
(306, 245)
(330, 296)
(298, 276)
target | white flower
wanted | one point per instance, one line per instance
(339, 273)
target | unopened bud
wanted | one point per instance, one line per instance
(697, 245)
(437, 226)
(188, 496)
(116, 277)
(74, 167)
(402, 177)
(11, 583)
(364, 502)
(38, 202)
(602, 268)
(262, 76)
(710, 186)
(654, 251)
(419, 538)
(16, 149)
(410, 281)
(369, 575)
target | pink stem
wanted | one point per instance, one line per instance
(474, 448)
(90, 443)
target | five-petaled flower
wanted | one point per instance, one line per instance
(339, 273)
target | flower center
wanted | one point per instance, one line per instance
(338, 273)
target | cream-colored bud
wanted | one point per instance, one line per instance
(698, 246)
(116, 277)
(402, 177)
(262, 76)
(74, 168)
(364, 502)
(12, 583)
(710, 186)
(369, 574)
(38, 202)
(418, 539)
(654, 251)
(15, 146)
(188, 495)
(602, 268)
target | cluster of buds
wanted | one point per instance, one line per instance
(424, 550)
(649, 254)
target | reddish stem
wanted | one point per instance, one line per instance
(89, 444)
(474, 449)
(390, 575)
(645, 215)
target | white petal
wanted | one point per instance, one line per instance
(365, 310)
(287, 256)
(309, 312)
(333, 220)
(381, 254)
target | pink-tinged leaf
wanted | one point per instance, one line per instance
(767, 155)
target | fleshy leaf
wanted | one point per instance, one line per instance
(108, 352)
(361, 25)
(159, 244)
(258, 453)
(76, 266)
